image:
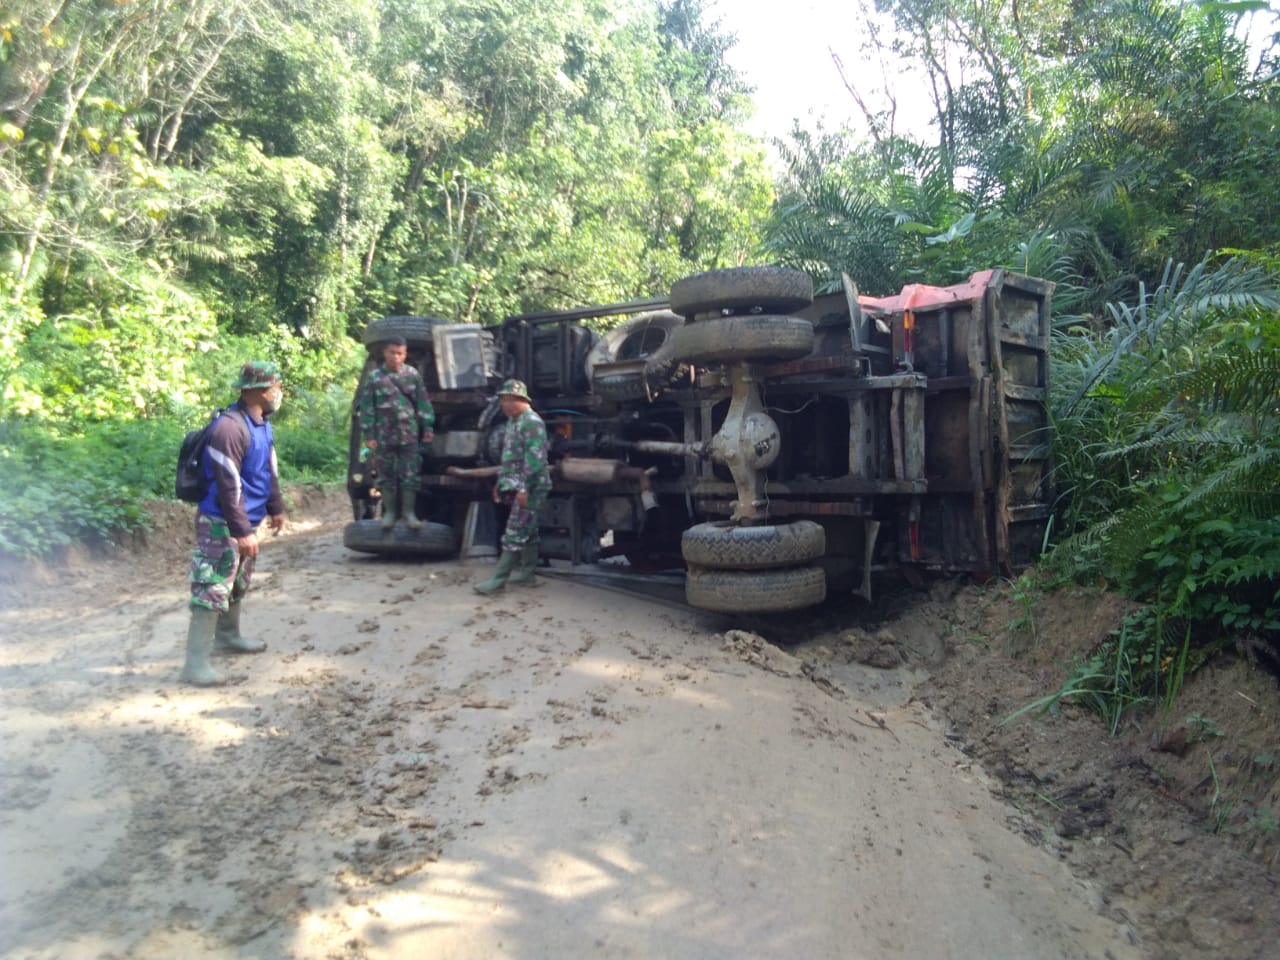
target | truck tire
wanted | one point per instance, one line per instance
(646, 336)
(431, 540)
(768, 289)
(755, 591)
(756, 337)
(415, 330)
(720, 546)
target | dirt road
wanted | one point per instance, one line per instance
(413, 770)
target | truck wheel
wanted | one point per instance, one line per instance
(744, 338)
(755, 591)
(648, 337)
(720, 546)
(768, 289)
(431, 540)
(413, 329)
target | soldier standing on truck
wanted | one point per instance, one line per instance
(524, 481)
(395, 416)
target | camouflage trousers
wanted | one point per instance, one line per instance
(400, 464)
(219, 575)
(522, 523)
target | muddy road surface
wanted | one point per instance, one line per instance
(412, 770)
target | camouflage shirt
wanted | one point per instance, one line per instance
(524, 455)
(394, 408)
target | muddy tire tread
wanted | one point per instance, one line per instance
(769, 546)
(755, 591)
(770, 289)
(620, 387)
(743, 339)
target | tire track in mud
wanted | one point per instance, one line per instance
(224, 800)
(403, 740)
(299, 787)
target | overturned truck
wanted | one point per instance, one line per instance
(775, 446)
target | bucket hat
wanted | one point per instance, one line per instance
(257, 373)
(514, 388)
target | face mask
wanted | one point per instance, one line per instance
(272, 399)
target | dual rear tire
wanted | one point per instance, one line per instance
(760, 569)
(740, 315)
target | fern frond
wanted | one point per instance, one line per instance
(1170, 320)
(1184, 438)
(1236, 382)
(1248, 485)
(1252, 568)
(1126, 535)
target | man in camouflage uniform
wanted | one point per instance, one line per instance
(395, 416)
(240, 465)
(524, 480)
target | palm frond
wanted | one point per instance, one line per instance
(1246, 485)
(834, 226)
(194, 251)
(1184, 438)
(1236, 382)
(1170, 318)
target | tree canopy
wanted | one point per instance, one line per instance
(1088, 145)
(172, 174)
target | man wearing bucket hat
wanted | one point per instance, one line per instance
(524, 481)
(244, 487)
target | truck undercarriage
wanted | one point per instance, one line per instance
(772, 445)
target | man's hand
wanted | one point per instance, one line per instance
(276, 523)
(248, 545)
(428, 435)
(522, 499)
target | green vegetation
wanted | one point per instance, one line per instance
(183, 185)
(1128, 153)
(1167, 439)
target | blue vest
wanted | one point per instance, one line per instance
(254, 487)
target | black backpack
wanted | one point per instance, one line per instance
(191, 485)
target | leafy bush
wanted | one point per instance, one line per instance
(88, 483)
(61, 490)
(1168, 445)
(120, 359)
(1212, 572)
(311, 432)
(311, 455)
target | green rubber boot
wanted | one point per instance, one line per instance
(227, 638)
(406, 512)
(500, 573)
(197, 670)
(526, 570)
(390, 501)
